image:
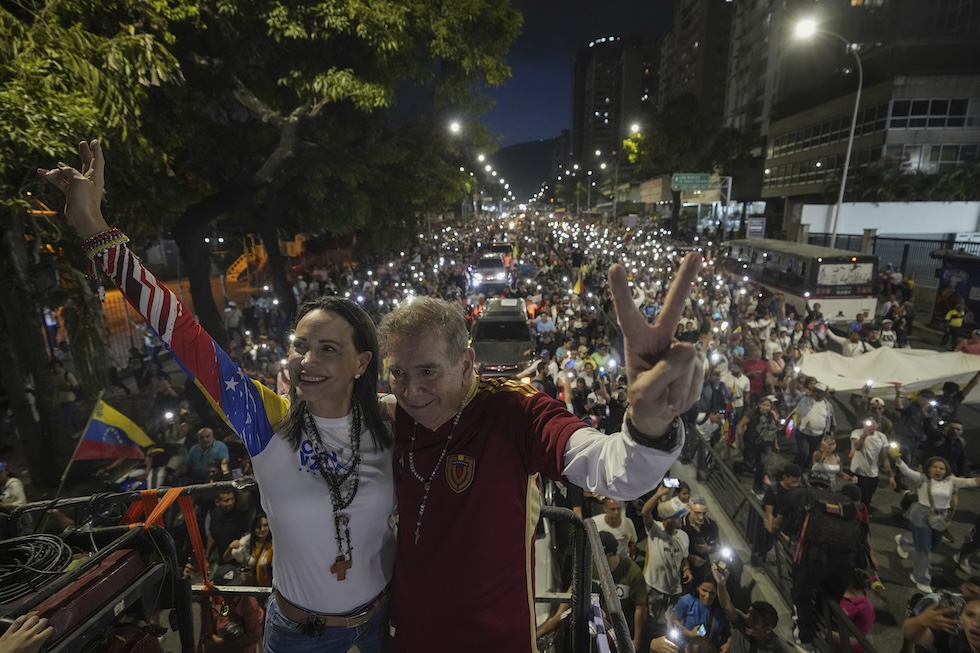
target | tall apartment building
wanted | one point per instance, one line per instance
(694, 55)
(614, 82)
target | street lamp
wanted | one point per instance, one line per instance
(455, 127)
(806, 29)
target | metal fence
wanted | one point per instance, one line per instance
(747, 514)
(911, 256)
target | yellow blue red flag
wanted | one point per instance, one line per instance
(110, 434)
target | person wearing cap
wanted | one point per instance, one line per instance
(970, 345)
(11, 489)
(815, 419)
(869, 457)
(630, 586)
(667, 566)
(888, 336)
(876, 411)
(948, 403)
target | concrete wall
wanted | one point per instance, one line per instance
(905, 218)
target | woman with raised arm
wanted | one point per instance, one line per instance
(928, 516)
(322, 456)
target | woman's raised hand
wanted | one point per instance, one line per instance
(83, 189)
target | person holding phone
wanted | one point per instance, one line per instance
(940, 629)
(701, 614)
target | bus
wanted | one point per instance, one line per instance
(842, 282)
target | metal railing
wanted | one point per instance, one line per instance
(748, 516)
(588, 552)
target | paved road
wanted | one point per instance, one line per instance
(887, 520)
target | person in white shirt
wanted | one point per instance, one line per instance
(11, 489)
(888, 336)
(622, 529)
(739, 385)
(869, 455)
(772, 345)
(667, 566)
(935, 495)
(851, 346)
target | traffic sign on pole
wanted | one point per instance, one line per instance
(690, 181)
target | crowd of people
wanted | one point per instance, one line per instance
(607, 393)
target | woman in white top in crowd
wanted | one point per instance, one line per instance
(928, 515)
(826, 460)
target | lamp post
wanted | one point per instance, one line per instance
(806, 29)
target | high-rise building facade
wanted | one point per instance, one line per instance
(694, 55)
(615, 81)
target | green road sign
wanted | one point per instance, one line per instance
(690, 181)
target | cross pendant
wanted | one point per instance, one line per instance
(340, 567)
(417, 535)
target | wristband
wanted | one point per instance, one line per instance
(103, 241)
(668, 442)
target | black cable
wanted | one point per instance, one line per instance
(27, 563)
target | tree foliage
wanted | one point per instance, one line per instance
(59, 81)
(887, 182)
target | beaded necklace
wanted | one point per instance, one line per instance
(427, 482)
(336, 481)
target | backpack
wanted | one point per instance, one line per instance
(830, 523)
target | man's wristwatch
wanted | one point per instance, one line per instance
(668, 442)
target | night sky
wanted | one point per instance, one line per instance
(536, 102)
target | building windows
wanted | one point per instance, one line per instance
(940, 113)
(870, 120)
(932, 158)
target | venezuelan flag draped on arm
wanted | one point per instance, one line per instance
(110, 434)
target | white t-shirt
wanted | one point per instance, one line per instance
(625, 534)
(662, 569)
(297, 501)
(739, 387)
(865, 461)
(815, 421)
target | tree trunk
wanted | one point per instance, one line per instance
(24, 357)
(267, 222)
(189, 231)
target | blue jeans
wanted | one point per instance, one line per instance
(285, 636)
(924, 541)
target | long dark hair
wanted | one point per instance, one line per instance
(365, 337)
(256, 520)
